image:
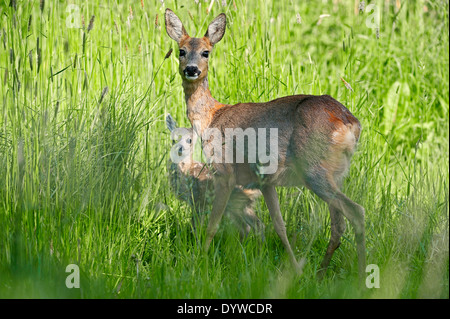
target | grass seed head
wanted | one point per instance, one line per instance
(30, 59)
(84, 41)
(13, 4)
(168, 54)
(5, 77)
(16, 80)
(4, 39)
(11, 55)
(38, 52)
(104, 92)
(91, 23)
(131, 13)
(347, 85)
(55, 113)
(362, 6)
(29, 22)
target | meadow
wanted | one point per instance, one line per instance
(85, 88)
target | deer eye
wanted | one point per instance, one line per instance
(189, 141)
(205, 54)
(182, 53)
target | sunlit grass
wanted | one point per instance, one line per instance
(83, 147)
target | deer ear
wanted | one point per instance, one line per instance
(174, 27)
(216, 28)
(170, 122)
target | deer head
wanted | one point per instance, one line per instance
(194, 52)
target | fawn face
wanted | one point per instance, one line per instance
(194, 52)
(182, 141)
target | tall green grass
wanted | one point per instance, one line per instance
(83, 147)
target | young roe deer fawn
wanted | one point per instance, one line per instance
(192, 182)
(317, 137)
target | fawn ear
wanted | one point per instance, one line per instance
(216, 28)
(174, 27)
(170, 122)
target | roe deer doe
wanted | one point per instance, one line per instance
(192, 182)
(317, 137)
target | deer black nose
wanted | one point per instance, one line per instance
(192, 71)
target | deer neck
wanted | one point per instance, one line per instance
(201, 106)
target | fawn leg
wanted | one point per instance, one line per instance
(246, 219)
(254, 222)
(271, 199)
(337, 229)
(238, 221)
(222, 191)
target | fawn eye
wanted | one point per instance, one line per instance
(189, 141)
(182, 53)
(205, 54)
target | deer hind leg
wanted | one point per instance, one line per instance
(223, 186)
(271, 199)
(337, 229)
(325, 187)
(355, 214)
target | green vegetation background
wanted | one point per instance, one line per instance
(83, 146)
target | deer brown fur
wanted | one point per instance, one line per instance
(317, 136)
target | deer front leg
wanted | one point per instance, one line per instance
(271, 199)
(223, 185)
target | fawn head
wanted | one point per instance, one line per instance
(182, 141)
(194, 52)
